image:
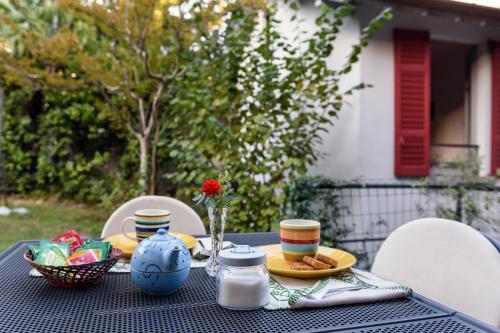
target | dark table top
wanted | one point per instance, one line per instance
(29, 304)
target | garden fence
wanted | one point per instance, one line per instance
(372, 210)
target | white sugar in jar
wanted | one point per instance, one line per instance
(242, 280)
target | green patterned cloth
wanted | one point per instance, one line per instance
(347, 287)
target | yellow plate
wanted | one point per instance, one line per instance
(277, 265)
(128, 245)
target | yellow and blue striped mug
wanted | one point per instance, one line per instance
(147, 222)
(299, 238)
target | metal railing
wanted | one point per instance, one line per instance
(372, 210)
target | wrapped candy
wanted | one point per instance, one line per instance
(103, 247)
(83, 257)
(63, 248)
(69, 249)
(51, 256)
(35, 250)
(70, 237)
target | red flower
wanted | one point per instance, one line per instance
(211, 187)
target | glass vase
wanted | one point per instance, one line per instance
(217, 218)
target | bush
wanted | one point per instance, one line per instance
(19, 136)
(59, 144)
(255, 102)
(306, 199)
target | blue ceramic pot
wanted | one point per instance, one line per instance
(160, 264)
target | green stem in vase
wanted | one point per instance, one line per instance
(217, 217)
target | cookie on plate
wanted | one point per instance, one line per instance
(315, 263)
(301, 266)
(326, 259)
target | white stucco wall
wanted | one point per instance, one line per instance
(337, 160)
(377, 109)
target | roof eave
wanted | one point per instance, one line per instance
(453, 6)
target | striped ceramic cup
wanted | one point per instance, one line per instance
(147, 222)
(299, 238)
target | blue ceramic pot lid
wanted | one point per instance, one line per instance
(161, 236)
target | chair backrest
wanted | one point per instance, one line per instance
(184, 218)
(447, 261)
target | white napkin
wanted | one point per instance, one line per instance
(203, 247)
(347, 287)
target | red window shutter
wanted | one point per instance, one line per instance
(412, 102)
(495, 114)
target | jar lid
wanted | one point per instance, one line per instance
(242, 256)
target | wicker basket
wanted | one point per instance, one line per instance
(77, 275)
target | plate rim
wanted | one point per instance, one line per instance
(311, 274)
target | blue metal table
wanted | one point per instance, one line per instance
(116, 305)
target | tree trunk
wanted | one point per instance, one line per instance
(143, 166)
(152, 179)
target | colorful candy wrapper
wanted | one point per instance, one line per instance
(84, 257)
(63, 248)
(51, 256)
(70, 237)
(103, 247)
(35, 250)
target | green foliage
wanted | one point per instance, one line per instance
(257, 101)
(19, 18)
(73, 153)
(132, 51)
(19, 140)
(137, 89)
(469, 197)
(306, 199)
(57, 145)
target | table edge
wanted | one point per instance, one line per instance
(448, 312)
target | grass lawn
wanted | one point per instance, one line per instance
(48, 219)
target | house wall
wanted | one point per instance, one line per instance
(361, 143)
(377, 108)
(340, 149)
(451, 28)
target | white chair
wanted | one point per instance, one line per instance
(446, 261)
(183, 218)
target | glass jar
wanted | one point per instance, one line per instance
(242, 280)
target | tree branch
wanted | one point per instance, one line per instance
(154, 108)
(142, 50)
(123, 119)
(128, 32)
(23, 73)
(142, 116)
(145, 61)
(145, 28)
(130, 91)
(154, 149)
